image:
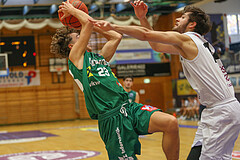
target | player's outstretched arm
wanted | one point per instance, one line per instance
(145, 34)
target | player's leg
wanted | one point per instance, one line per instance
(185, 112)
(119, 136)
(195, 153)
(197, 144)
(163, 122)
(197, 112)
(221, 131)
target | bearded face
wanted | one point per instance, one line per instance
(181, 23)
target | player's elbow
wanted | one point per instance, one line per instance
(115, 36)
(119, 36)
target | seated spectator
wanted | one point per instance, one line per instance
(183, 109)
(196, 108)
(190, 109)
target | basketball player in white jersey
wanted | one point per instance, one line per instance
(220, 122)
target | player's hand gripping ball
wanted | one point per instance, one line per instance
(72, 21)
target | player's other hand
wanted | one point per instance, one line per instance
(140, 9)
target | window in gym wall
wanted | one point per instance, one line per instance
(239, 24)
(233, 24)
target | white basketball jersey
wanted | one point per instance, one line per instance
(206, 74)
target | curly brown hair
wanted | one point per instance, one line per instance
(200, 17)
(60, 41)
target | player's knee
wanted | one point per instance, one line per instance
(172, 125)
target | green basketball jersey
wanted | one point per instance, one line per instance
(102, 90)
(132, 96)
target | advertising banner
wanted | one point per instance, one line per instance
(21, 79)
(184, 88)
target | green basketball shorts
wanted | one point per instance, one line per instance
(120, 127)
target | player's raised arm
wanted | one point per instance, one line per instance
(113, 40)
(78, 48)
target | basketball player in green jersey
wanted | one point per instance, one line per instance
(120, 122)
(127, 85)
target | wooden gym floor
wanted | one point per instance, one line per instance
(83, 135)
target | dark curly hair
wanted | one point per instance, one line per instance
(60, 41)
(200, 17)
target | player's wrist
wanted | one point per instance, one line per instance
(144, 18)
(114, 26)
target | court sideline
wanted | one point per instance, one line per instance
(55, 138)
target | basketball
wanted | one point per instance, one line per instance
(72, 21)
